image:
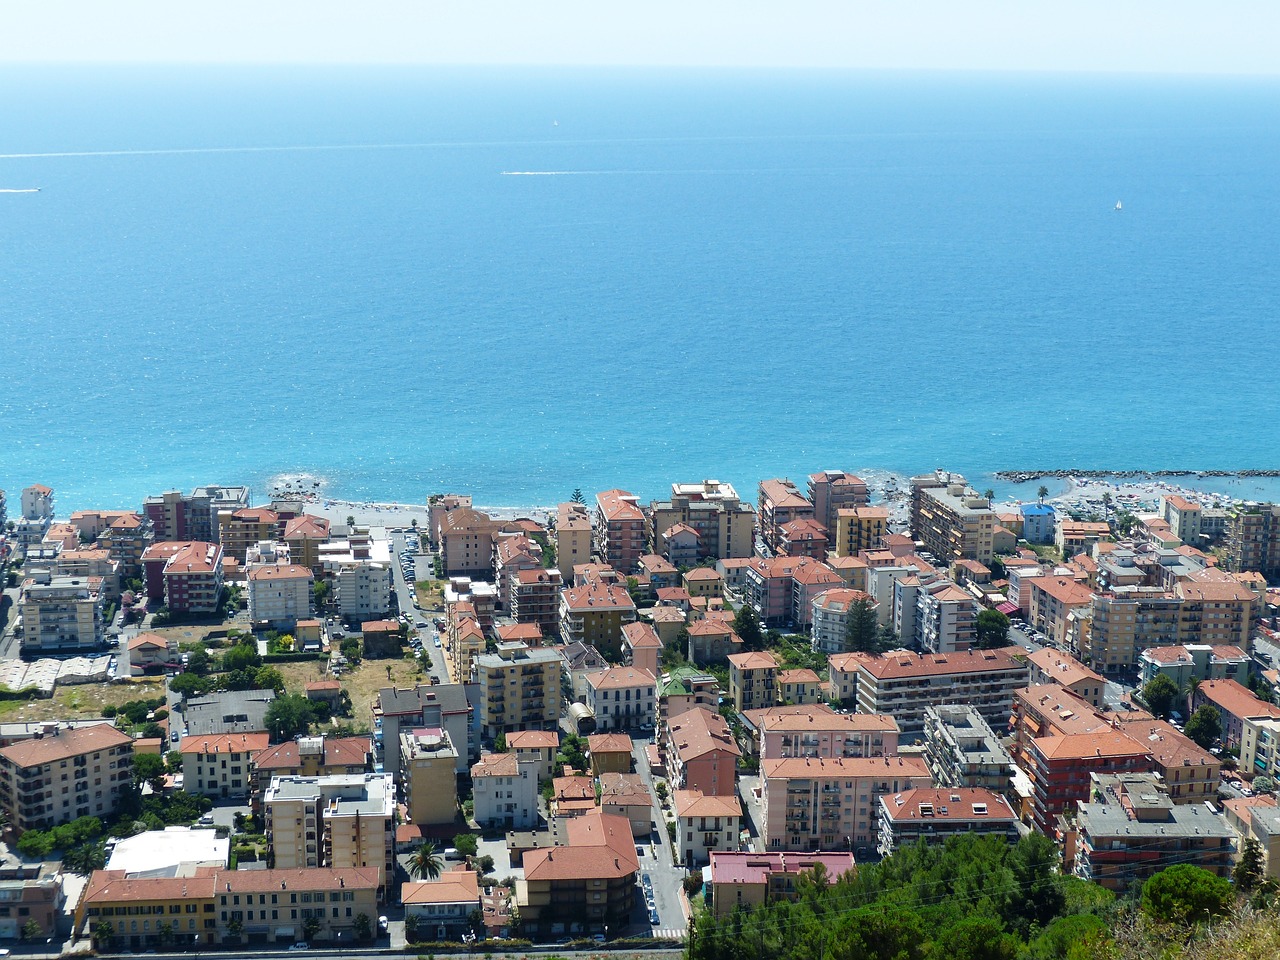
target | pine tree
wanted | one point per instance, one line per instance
(1248, 872)
(747, 626)
(861, 627)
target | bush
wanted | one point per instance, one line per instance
(466, 844)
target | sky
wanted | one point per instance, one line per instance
(1147, 36)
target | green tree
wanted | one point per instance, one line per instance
(363, 928)
(1249, 871)
(31, 930)
(1205, 726)
(1186, 895)
(104, 931)
(1042, 492)
(86, 858)
(242, 656)
(976, 938)
(466, 844)
(577, 496)
(149, 768)
(189, 685)
(993, 630)
(861, 627)
(425, 863)
(198, 662)
(289, 716)
(1071, 936)
(500, 743)
(886, 639)
(484, 865)
(1160, 695)
(411, 933)
(746, 624)
(269, 678)
(572, 752)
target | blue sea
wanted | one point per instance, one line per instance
(515, 283)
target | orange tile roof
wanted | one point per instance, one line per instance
(597, 595)
(453, 886)
(115, 886)
(818, 717)
(620, 678)
(573, 788)
(798, 676)
(1235, 699)
(600, 847)
(753, 660)
(1167, 745)
(148, 640)
(342, 751)
(702, 573)
(782, 494)
(609, 743)
(1081, 746)
(618, 505)
(790, 768)
(1062, 667)
(65, 745)
(533, 740)
(903, 663)
(225, 743)
(641, 636)
(307, 527)
(528, 632)
(949, 803)
(698, 732)
(305, 878)
(1072, 593)
(841, 599)
(496, 765)
(695, 803)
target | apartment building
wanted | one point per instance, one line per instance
(683, 689)
(932, 815)
(466, 539)
(623, 698)
(363, 587)
(512, 553)
(535, 598)
(826, 804)
(1260, 746)
(595, 613)
(1126, 620)
(336, 821)
(641, 647)
(1074, 537)
(30, 893)
(946, 618)
(1131, 830)
(1060, 768)
(746, 880)
(701, 753)
(221, 765)
(1039, 522)
(519, 689)
(831, 491)
(619, 534)
(781, 590)
(311, 756)
(504, 792)
(723, 524)
(753, 680)
(92, 562)
(712, 642)
(63, 773)
(1190, 774)
(1051, 666)
(537, 746)
(60, 614)
(194, 516)
(1052, 599)
(464, 641)
(625, 795)
(1199, 661)
(192, 577)
(779, 503)
(705, 823)
(951, 519)
(280, 594)
(238, 530)
(815, 730)
(802, 686)
(961, 749)
(1234, 704)
(859, 529)
(126, 539)
(582, 886)
(428, 776)
(1215, 609)
(1253, 539)
(803, 538)
(443, 907)
(903, 684)
(572, 538)
(830, 617)
(425, 705)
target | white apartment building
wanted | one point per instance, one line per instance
(60, 614)
(280, 594)
(504, 791)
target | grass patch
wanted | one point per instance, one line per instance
(82, 701)
(430, 594)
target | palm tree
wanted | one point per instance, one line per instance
(426, 864)
(1042, 492)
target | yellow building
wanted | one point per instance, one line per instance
(860, 528)
(59, 775)
(238, 530)
(712, 509)
(519, 689)
(753, 680)
(338, 821)
(428, 782)
(318, 756)
(952, 520)
(572, 538)
(220, 764)
(466, 642)
(704, 582)
(594, 613)
(799, 687)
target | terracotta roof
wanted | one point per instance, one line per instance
(949, 803)
(694, 803)
(344, 751)
(509, 549)
(849, 662)
(1180, 503)
(754, 660)
(841, 599)
(1072, 593)
(497, 765)
(1062, 668)
(528, 632)
(709, 628)
(1169, 747)
(600, 847)
(306, 878)
(819, 717)
(609, 743)
(625, 789)
(619, 505)
(380, 626)
(453, 886)
(792, 768)
(597, 595)
(148, 640)
(537, 575)
(676, 529)
(573, 788)
(734, 867)
(257, 515)
(666, 614)
(620, 678)
(115, 886)
(279, 571)
(1235, 699)
(798, 676)
(1202, 586)
(782, 494)
(307, 527)
(806, 528)
(641, 636)
(65, 745)
(533, 740)
(1065, 712)
(1081, 746)
(698, 732)
(225, 743)
(318, 686)
(195, 558)
(657, 564)
(1167, 655)
(702, 573)
(900, 664)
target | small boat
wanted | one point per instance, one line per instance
(1118, 206)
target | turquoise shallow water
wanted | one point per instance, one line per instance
(233, 273)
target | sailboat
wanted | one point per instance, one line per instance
(1118, 207)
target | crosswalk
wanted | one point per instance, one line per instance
(668, 934)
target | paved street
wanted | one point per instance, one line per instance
(406, 600)
(657, 862)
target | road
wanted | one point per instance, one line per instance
(407, 602)
(658, 863)
(1116, 692)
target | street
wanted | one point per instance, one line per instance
(658, 862)
(407, 602)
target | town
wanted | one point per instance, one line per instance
(228, 725)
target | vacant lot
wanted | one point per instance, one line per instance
(362, 684)
(81, 701)
(430, 594)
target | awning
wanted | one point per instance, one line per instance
(1008, 608)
